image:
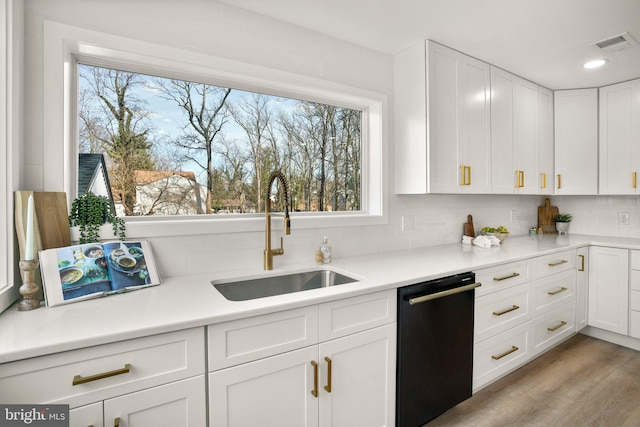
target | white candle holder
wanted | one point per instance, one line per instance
(29, 287)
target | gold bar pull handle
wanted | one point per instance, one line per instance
(468, 170)
(555, 328)
(522, 179)
(116, 422)
(581, 263)
(559, 181)
(544, 180)
(512, 275)
(462, 174)
(314, 392)
(634, 179)
(77, 380)
(562, 289)
(506, 353)
(508, 310)
(517, 178)
(557, 263)
(328, 386)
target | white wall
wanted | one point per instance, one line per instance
(217, 29)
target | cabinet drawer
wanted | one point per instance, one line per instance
(634, 302)
(88, 415)
(348, 316)
(499, 311)
(553, 291)
(554, 263)
(132, 365)
(502, 276)
(553, 327)
(500, 354)
(244, 340)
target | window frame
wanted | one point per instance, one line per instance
(64, 46)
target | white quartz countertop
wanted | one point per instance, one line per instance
(191, 301)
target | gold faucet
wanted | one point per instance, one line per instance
(268, 252)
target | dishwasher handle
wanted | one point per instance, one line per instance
(442, 294)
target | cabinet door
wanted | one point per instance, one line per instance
(270, 392)
(503, 179)
(582, 288)
(609, 289)
(619, 136)
(181, 403)
(85, 416)
(525, 135)
(576, 141)
(362, 391)
(545, 176)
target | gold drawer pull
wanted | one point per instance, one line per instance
(328, 386)
(544, 180)
(559, 181)
(555, 328)
(581, 263)
(557, 263)
(512, 275)
(116, 422)
(314, 392)
(562, 289)
(508, 310)
(506, 353)
(77, 380)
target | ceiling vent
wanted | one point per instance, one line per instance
(619, 42)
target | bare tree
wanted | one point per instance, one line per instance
(205, 107)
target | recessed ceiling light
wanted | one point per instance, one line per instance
(595, 63)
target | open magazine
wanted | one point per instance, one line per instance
(92, 270)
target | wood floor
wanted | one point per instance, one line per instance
(583, 382)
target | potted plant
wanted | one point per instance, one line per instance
(562, 222)
(89, 212)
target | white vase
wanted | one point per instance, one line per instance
(105, 232)
(562, 227)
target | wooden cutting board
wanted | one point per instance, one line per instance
(546, 214)
(51, 220)
(468, 227)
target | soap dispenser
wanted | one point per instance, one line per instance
(325, 250)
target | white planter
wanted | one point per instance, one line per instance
(105, 232)
(562, 227)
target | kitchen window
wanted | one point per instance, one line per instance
(67, 47)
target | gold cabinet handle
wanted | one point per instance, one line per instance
(517, 178)
(522, 180)
(462, 170)
(328, 386)
(557, 263)
(506, 353)
(116, 422)
(562, 289)
(512, 275)
(559, 181)
(555, 328)
(77, 380)
(468, 171)
(314, 392)
(634, 180)
(508, 310)
(544, 180)
(581, 263)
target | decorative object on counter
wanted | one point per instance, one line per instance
(501, 233)
(533, 231)
(29, 288)
(562, 222)
(546, 214)
(268, 252)
(89, 212)
(468, 227)
(486, 241)
(77, 273)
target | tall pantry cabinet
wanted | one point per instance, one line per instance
(443, 135)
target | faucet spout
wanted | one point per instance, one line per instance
(268, 252)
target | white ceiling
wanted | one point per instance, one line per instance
(546, 41)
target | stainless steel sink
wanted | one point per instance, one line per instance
(248, 289)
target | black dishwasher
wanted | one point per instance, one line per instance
(435, 347)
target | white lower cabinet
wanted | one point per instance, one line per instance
(634, 295)
(582, 288)
(609, 289)
(346, 380)
(522, 309)
(88, 415)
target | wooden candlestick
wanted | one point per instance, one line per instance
(28, 288)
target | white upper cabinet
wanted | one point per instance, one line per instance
(514, 134)
(620, 138)
(443, 136)
(545, 141)
(576, 141)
